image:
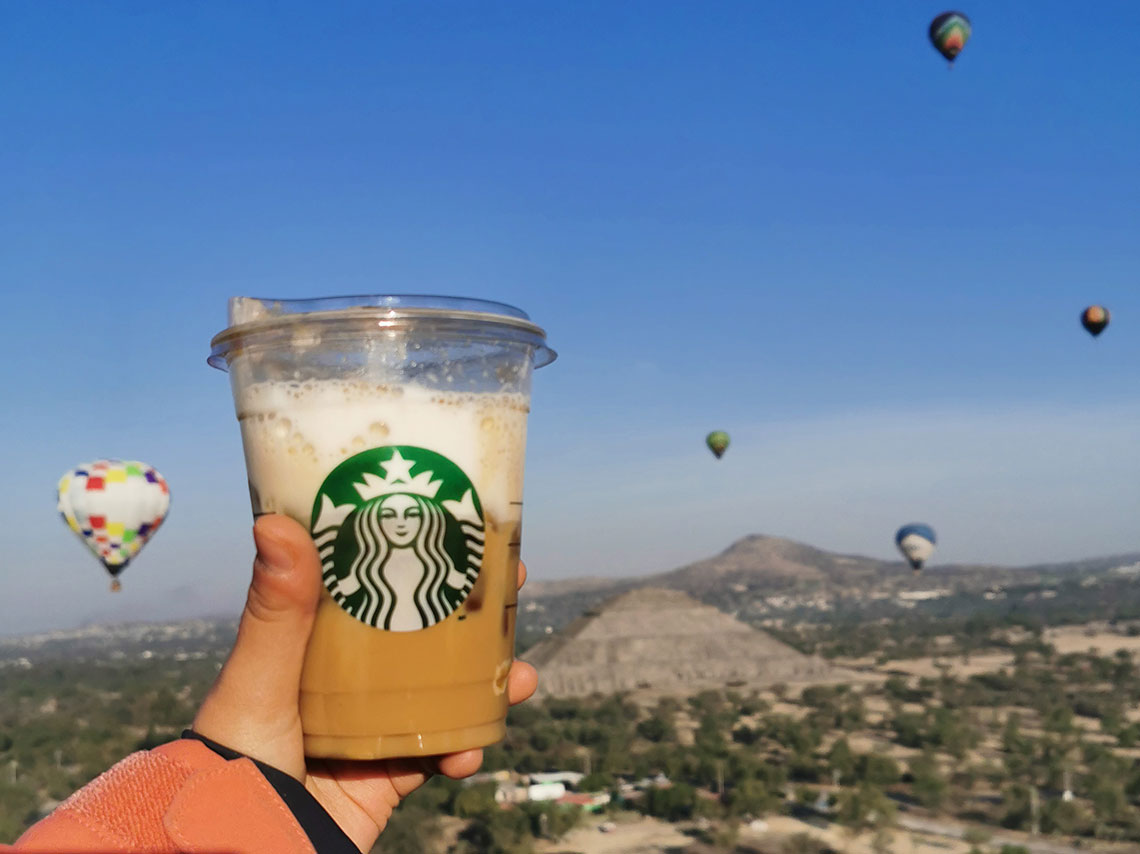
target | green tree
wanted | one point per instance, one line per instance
(709, 737)
(498, 832)
(18, 809)
(672, 803)
(877, 769)
(745, 735)
(751, 797)
(896, 688)
(1015, 808)
(167, 710)
(657, 728)
(1059, 719)
(950, 731)
(542, 738)
(841, 761)
(865, 808)
(1109, 801)
(475, 801)
(1128, 736)
(908, 727)
(753, 704)
(1067, 817)
(549, 820)
(526, 715)
(1012, 741)
(804, 767)
(596, 781)
(561, 709)
(928, 784)
(411, 830)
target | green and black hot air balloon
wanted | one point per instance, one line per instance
(949, 33)
(717, 441)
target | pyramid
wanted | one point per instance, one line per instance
(666, 642)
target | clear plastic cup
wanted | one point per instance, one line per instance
(394, 429)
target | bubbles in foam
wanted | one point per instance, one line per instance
(295, 433)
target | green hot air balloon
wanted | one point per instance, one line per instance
(949, 33)
(717, 441)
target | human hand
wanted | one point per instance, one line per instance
(253, 705)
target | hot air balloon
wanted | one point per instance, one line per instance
(1094, 319)
(114, 506)
(717, 441)
(916, 542)
(949, 33)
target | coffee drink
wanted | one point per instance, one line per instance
(408, 473)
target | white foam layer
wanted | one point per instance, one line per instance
(296, 433)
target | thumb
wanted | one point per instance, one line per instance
(253, 704)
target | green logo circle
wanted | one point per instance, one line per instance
(400, 534)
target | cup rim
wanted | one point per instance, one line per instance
(257, 316)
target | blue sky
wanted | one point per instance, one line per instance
(789, 221)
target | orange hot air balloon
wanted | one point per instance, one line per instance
(1094, 319)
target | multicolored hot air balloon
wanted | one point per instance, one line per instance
(717, 441)
(114, 506)
(949, 33)
(1094, 319)
(916, 542)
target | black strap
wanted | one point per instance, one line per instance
(323, 832)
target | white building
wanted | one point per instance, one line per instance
(569, 778)
(922, 595)
(545, 791)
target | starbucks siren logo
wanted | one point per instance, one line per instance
(400, 534)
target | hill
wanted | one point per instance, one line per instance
(773, 563)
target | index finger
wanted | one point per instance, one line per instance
(522, 574)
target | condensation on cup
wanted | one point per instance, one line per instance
(394, 429)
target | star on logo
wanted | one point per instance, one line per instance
(397, 468)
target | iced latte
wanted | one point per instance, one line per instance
(395, 431)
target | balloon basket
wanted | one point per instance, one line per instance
(116, 585)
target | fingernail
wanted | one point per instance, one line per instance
(273, 554)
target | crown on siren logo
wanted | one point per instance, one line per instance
(398, 478)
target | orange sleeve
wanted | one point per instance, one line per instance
(180, 797)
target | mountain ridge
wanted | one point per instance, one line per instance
(761, 561)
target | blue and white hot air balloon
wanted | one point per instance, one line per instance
(916, 542)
